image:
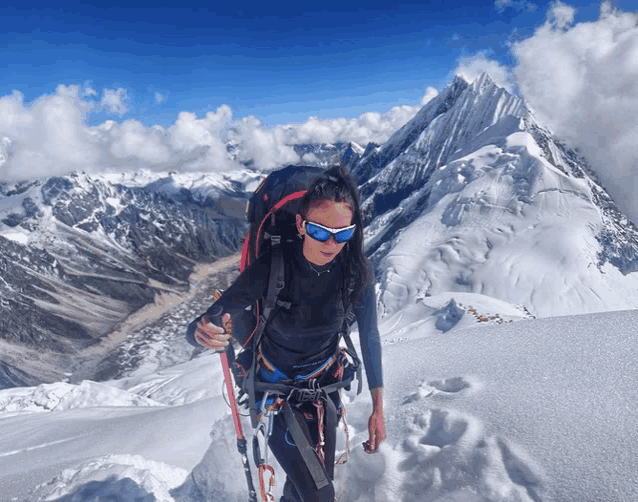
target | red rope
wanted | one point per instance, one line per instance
(322, 439)
(345, 456)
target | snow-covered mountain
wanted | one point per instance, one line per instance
(327, 155)
(474, 195)
(79, 253)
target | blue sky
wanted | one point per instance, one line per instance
(281, 62)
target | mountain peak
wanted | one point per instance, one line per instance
(431, 139)
(478, 84)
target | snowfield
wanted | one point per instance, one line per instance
(477, 409)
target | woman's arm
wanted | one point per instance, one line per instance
(366, 314)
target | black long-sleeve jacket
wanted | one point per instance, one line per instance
(308, 332)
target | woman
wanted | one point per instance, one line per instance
(301, 340)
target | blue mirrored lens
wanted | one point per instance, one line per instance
(344, 235)
(317, 233)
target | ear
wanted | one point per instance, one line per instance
(300, 228)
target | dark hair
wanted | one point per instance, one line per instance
(338, 185)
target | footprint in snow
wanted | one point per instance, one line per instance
(451, 385)
(447, 388)
(447, 455)
(520, 470)
(443, 430)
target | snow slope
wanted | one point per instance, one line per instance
(539, 409)
(473, 195)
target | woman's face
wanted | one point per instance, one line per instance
(329, 214)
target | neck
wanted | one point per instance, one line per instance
(318, 269)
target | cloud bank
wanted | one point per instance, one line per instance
(51, 135)
(581, 79)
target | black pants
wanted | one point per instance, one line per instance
(299, 485)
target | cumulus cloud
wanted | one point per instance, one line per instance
(114, 101)
(560, 15)
(48, 133)
(368, 127)
(430, 94)
(51, 136)
(270, 146)
(470, 67)
(582, 81)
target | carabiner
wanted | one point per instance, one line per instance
(266, 496)
(262, 432)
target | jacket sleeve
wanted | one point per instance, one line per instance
(249, 287)
(366, 315)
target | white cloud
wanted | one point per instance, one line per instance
(560, 15)
(113, 101)
(52, 136)
(268, 147)
(470, 67)
(369, 127)
(159, 98)
(46, 134)
(203, 141)
(430, 94)
(582, 80)
(132, 140)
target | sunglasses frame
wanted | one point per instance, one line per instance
(332, 231)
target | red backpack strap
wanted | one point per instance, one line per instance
(245, 257)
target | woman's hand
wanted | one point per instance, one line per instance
(212, 336)
(376, 424)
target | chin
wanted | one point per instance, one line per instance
(326, 258)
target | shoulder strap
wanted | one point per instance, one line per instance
(275, 285)
(345, 332)
(275, 281)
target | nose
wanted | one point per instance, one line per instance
(332, 242)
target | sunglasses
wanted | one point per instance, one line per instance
(322, 234)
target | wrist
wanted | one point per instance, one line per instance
(377, 399)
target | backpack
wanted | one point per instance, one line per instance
(271, 213)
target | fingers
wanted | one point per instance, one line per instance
(368, 448)
(216, 342)
(212, 336)
(376, 429)
(228, 325)
(372, 444)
